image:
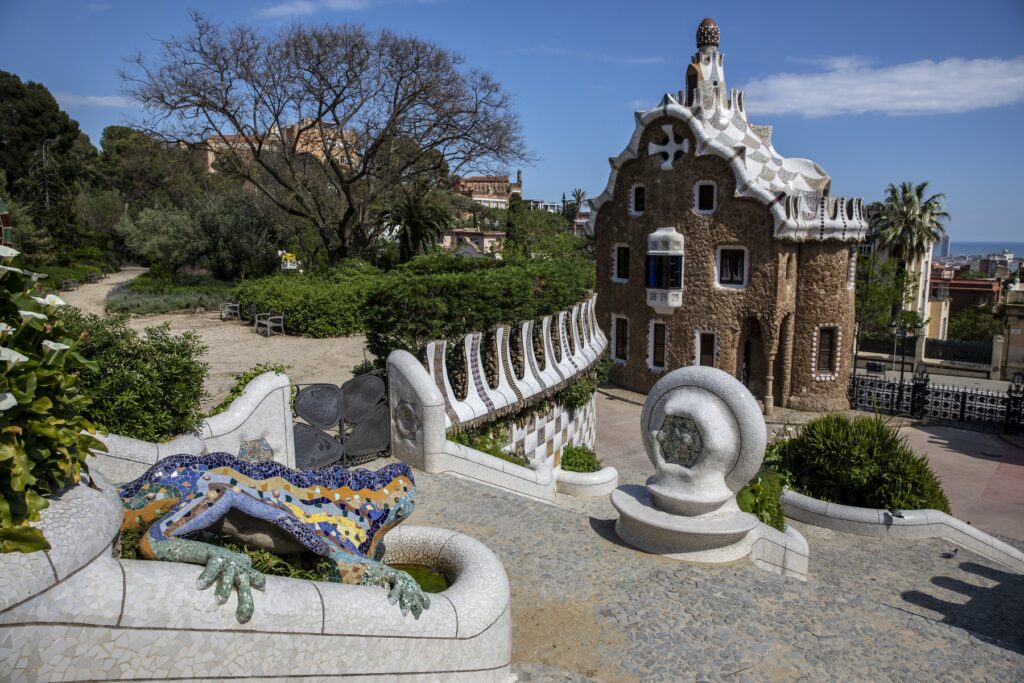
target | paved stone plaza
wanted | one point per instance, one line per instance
(586, 607)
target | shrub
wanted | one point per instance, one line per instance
(579, 459)
(44, 438)
(863, 462)
(762, 498)
(149, 294)
(317, 305)
(148, 386)
(489, 439)
(243, 378)
(446, 297)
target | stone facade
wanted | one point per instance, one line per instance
(786, 271)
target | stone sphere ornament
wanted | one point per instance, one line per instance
(705, 436)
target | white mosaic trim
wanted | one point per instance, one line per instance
(650, 346)
(838, 360)
(632, 199)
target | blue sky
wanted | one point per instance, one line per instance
(875, 92)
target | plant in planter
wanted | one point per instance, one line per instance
(579, 459)
(44, 439)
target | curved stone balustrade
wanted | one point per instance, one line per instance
(540, 377)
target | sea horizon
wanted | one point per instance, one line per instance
(982, 248)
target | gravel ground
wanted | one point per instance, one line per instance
(585, 607)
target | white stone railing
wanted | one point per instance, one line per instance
(484, 403)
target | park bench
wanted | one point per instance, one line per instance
(230, 311)
(68, 284)
(250, 318)
(92, 277)
(268, 323)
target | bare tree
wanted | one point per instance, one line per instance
(326, 121)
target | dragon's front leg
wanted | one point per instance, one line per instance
(224, 567)
(404, 591)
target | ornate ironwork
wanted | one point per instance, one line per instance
(971, 408)
(347, 423)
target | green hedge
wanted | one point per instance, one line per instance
(863, 462)
(316, 305)
(149, 294)
(580, 459)
(148, 386)
(447, 297)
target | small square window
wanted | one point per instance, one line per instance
(622, 263)
(732, 267)
(706, 197)
(621, 338)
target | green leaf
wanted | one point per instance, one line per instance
(22, 539)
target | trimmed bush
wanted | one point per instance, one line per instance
(149, 294)
(863, 462)
(44, 436)
(147, 386)
(316, 305)
(579, 459)
(446, 297)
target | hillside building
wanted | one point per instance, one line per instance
(714, 249)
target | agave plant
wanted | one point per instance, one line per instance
(44, 440)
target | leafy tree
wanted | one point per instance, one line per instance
(881, 288)
(167, 238)
(325, 120)
(977, 324)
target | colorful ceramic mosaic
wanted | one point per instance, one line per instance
(333, 512)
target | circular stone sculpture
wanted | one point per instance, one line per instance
(705, 436)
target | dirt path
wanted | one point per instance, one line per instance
(233, 347)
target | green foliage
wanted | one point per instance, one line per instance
(881, 289)
(166, 238)
(44, 438)
(148, 294)
(908, 223)
(147, 386)
(419, 217)
(762, 497)
(979, 324)
(317, 305)
(243, 378)
(457, 296)
(863, 462)
(579, 392)
(490, 439)
(579, 459)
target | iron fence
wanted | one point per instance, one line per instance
(958, 351)
(960, 406)
(886, 346)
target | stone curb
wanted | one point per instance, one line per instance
(912, 524)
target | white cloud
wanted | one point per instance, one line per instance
(68, 100)
(98, 6)
(307, 7)
(851, 85)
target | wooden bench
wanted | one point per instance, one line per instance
(92, 278)
(268, 323)
(68, 284)
(230, 311)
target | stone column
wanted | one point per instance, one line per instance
(998, 351)
(769, 394)
(919, 343)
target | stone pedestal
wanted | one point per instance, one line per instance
(705, 436)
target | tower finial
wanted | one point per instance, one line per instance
(708, 33)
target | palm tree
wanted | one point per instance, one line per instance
(420, 216)
(578, 197)
(907, 222)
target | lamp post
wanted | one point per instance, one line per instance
(900, 333)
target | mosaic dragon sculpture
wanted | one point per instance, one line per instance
(333, 512)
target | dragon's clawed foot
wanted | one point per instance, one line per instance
(405, 592)
(229, 569)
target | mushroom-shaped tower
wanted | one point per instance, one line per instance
(708, 33)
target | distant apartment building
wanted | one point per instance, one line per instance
(305, 137)
(473, 243)
(493, 191)
(964, 293)
(1013, 324)
(542, 205)
(918, 272)
(997, 265)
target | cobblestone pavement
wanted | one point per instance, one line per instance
(586, 607)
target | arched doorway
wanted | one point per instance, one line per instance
(750, 359)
